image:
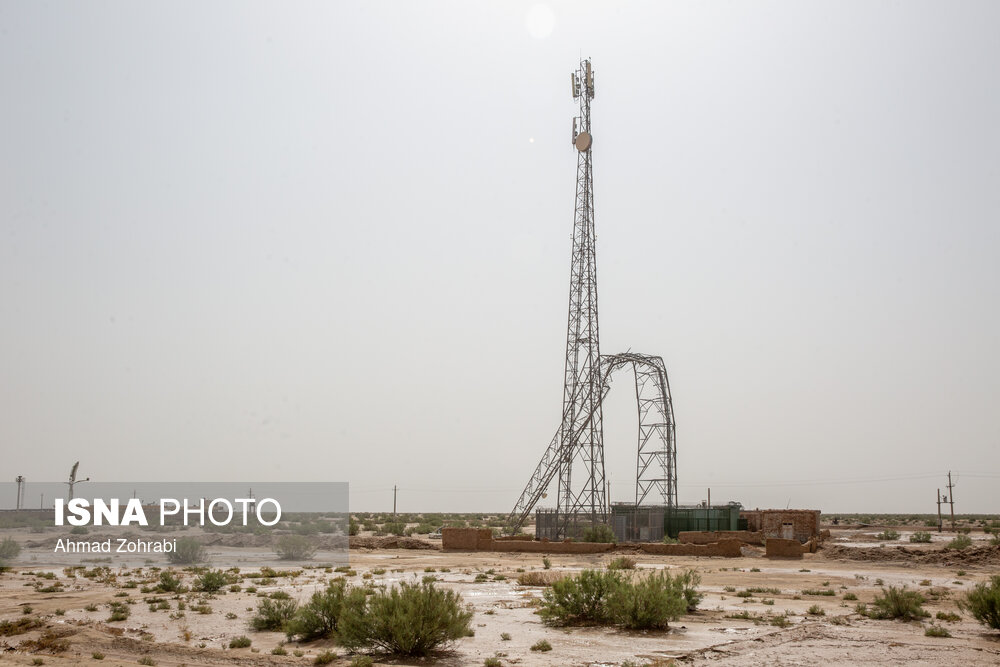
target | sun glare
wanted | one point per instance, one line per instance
(540, 21)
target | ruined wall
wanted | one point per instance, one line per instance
(779, 548)
(466, 539)
(478, 539)
(546, 547)
(726, 548)
(805, 523)
(707, 537)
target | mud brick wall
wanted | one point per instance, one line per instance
(709, 536)
(779, 548)
(725, 548)
(466, 539)
(546, 547)
(478, 539)
(805, 523)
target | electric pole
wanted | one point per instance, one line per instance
(951, 501)
(394, 502)
(20, 491)
(73, 481)
(939, 510)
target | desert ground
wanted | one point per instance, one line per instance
(755, 610)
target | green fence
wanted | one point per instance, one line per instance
(680, 519)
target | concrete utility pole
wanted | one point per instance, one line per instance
(951, 500)
(939, 510)
(20, 492)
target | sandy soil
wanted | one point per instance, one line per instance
(727, 629)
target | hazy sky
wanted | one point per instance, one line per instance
(331, 241)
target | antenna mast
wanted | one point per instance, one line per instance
(581, 434)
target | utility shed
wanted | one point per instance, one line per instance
(643, 523)
(703, 518)
(801, 525)
(651, 523)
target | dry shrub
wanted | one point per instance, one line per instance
(50, 641)
(543, 578)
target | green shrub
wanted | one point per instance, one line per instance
(780, 621)
(394, 528)
(582, 599)
(272, 615)
(362, 661)
(318, 618)
(648, 604)
(897, 603)
(599, 533)
(689, 581)
(606, 597)
(187, 550)
(546, 562)
(936, 631)
(541, 645)
(887, 535)
(983, 602)
(9, 549)
(960, 542)
(240, 642)
(211, 581)
(169, 583)
(146, 660)
(816, 610)
(411, 619)
(279, 650)
(492, 662)
(295, 547)
(920, 537)
(947, 616)
(119, 612)
(97, 655)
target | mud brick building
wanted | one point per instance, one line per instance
(801, 525)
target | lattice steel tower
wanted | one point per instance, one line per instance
(576, 451)
(582, 431)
